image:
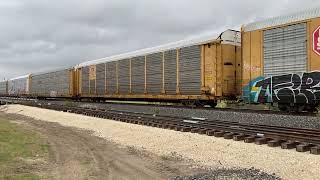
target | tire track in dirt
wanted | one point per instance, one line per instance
(76, 154)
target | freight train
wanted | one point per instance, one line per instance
(274, 61)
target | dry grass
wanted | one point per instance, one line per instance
(18, 149)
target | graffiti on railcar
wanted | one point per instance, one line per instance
(288, 88)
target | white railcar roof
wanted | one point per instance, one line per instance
(51, 70)
(19, 77)
(276, 21)
(38, 73)
(227, 37)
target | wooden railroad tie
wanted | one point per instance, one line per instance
(249, 139)
(288, 145)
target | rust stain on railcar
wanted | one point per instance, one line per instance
(92, 72)
(252, 55)
(92, 79)
(229, 53)
(220, 69)
(238, 70)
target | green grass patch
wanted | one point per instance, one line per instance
(19, 149)
(69, 103)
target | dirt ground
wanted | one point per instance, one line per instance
(75, 154)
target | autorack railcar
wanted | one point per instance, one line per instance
(18, 86)
(193, 71)
(57, 83)
(281, 61)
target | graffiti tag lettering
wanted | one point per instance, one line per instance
(288, 88)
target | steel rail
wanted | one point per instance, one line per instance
(301, 138)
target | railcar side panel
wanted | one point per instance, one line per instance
(246, 58)
(280, 63)
(154, 73)
(85, 81)
(221, 65)
(170, 72)
(138, 75)
(79, 82)
(238, 70)
(76, 82)
(219, 69)
(72, 83)
(190, 70)
(229, 69)
(209, 68)
(111, 79)
(124, 76)
(3, 88)
(92, 80)
(51, 84)
(19, 86)
(100, 79)
(252, 54)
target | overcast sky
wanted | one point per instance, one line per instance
(38, 35)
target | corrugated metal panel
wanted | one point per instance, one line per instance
(228, 37)
(285, 50)
(92, 88)
(189, 70)
(154, 73)
(51, 84)
(3, 88)
(170, 71)
(124, 76)
(300, 16)
(111, 78)
(137, 75)
(85, 80)
(18, 86)
(100, 78)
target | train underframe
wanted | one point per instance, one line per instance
(192, 101)
(287, 107)
(184, 102)
(297, 107)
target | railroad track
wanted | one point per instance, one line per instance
(228, 109)
(303, 140)
(174, 106)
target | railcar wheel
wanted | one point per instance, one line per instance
(212, 104)
(199, 103)
(284, 107)
(291, 107)
(299, 107)
(189, 103)
(311, 108)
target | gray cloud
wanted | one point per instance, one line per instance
(39, 35)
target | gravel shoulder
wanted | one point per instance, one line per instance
(199, 150)
(76, 154)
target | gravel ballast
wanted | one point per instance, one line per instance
(239, 174)
(212, 114)
(203, 150)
